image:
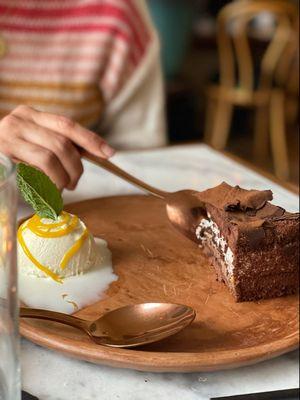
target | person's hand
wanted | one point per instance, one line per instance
(48, 141)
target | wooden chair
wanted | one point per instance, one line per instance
(237, 86)
(284, 105)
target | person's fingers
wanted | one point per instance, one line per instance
(81, 136)
(14, 128)
(62, 147)
(42, 158)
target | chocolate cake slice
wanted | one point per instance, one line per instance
(253, 244)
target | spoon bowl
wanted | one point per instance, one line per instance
(129, 326)
(185, 211)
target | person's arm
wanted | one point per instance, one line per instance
(49, 142)
(134, 116)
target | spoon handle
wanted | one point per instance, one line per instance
(53, 316)
(109, 166)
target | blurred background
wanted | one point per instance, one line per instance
(231, 73)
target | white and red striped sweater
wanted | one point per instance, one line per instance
(96, 61)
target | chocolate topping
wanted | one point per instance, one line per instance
(247, 200)
(249, 209)
(234, 198)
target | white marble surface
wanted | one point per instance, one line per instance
(51, 376)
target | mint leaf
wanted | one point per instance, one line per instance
(39, 191)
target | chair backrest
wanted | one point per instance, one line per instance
(287, 70)
(236, 62)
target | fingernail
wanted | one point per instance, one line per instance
(71, 186)
(107, 150)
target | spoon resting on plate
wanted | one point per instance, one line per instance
(184, 209)
(128, 326)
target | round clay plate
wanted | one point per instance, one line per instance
(156, 264)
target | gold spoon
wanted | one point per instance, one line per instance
(128, 326)
(184, 209)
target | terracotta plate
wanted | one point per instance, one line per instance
(155, 263)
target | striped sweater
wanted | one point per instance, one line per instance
(87, 59)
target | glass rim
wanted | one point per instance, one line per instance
(9, 166)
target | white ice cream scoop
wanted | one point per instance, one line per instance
(57, 249)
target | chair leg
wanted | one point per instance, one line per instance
(221, 124)
(261, 133)
(291, 110)
(278, 137)
(209, 118)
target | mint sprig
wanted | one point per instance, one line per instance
(39, 191)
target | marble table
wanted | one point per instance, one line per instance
(52, 376)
